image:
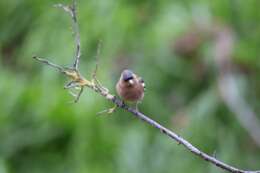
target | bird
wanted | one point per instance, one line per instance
(130, 87)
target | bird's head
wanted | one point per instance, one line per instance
(127, 76)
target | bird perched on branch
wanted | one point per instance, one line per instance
(130, 87)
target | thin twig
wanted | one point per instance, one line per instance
(72, 11)
(82, 82)
(94, 74)
(79, 94)
(71, 84)
(47, 62)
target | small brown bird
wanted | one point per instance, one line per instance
(130, 87)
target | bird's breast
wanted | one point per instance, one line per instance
(131, 93)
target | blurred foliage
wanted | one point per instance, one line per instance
(40, 130)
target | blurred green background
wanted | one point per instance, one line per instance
(168, 42)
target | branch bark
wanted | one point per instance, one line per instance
(79, 81)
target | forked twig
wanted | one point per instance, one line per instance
(79, 80)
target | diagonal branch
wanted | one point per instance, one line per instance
(80, 81)
(177, 138)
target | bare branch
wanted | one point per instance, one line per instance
(119, 103)
(49, 63)
(178, 138)
(80, 81)
(72, 11)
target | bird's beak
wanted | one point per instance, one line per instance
(131, 81)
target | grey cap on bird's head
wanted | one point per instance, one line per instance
(127, 75)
